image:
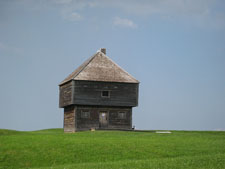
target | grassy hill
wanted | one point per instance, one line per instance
(54, 149)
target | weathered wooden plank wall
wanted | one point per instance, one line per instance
(114, 122)
(65, 94)
(78, 96)
(121, 94)
(69, 119)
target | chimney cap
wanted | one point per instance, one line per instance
(103, 50)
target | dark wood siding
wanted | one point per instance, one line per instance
(87, 123)
(90, 93)
(69, 119)
(65, 94)
(114, 122)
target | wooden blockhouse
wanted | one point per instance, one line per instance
(98, 95)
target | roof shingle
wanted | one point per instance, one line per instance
(100, 67)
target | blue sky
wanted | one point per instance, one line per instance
(175, 48)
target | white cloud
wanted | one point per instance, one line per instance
(146, 7)
(71, 16)
(208, 13)
(122, 22)
(171, 8)
(149, 7)
(74, 16)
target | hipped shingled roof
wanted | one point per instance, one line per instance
(100, 67)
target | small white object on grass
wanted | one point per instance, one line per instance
(166, 132)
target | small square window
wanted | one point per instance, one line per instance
(85, 114)
(122, 115)
(105, 93)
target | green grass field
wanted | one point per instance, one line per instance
(53, 149)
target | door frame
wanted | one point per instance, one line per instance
(107, 118)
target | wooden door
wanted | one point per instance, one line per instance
(103, 119)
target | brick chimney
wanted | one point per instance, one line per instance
(103, 50)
